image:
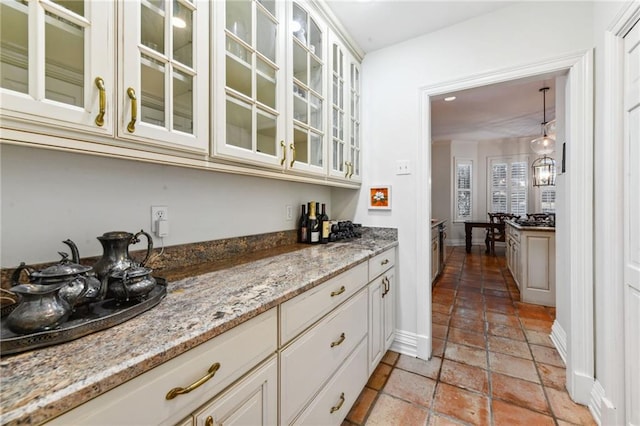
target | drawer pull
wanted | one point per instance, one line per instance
(384, 262)
(179, 391)
(131, 127)
(385, 282)
(208, 421)
(339, 341)
(339, 405)
(284, 153)
(103, 101)
(338, 292)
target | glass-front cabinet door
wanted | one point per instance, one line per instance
(344, 147)
(306, 147)
(56, 63)
(163, 90)
(249, 94)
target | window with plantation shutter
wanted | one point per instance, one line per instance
(463, 190)
(548, 200)
(508, 178)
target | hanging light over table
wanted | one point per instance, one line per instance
(546, 143)
(544, 168)
(544, 171)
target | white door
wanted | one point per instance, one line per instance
(632, 222)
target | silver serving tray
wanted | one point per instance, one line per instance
(88, 319)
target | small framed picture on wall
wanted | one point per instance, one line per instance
(380, 197)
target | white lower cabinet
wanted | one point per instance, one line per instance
(331, 339)
(143, 400)
(307, 364)
(333, 403)
(252, 401)
(381, 307)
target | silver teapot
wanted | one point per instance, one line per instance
(116, 256)
(132, 284)
(53, 293)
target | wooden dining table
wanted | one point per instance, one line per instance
(479, 223)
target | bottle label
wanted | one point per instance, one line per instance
(315, 236)
(303, 235)
(325, 229)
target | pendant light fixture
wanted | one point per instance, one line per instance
(544, 144)
(544, 168)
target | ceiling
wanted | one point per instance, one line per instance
(507, 110)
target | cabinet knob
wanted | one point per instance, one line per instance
(103, 101)
(384, 262)
(208, 421)
(179, 391)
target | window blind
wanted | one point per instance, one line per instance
(463, 196)
(508, 179)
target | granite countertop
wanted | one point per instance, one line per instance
(44, 383)
(436, 222)
(530, 228)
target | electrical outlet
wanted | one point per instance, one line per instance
(288, 212)
(158, 213)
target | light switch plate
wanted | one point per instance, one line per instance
(403, 167)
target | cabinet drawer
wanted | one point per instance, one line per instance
(333, 403)
(314, 356)
(142, 401)
(297, 314)
(381, 262)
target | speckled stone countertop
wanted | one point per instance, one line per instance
(44, 383)
(530, 228)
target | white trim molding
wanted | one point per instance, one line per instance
(579, 260)
(559, 338)
(406, 343)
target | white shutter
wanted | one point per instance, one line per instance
(463, 190)
(548, 200)
(508, 179)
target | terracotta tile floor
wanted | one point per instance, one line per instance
(493, 362)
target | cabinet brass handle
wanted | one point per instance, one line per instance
(179, 391)
(350, 169)
(284, 153)
(208, 421)
(338, 292)
(339, 341)
(339, 405)
(131, 127)
(103, 101)
(346, 166)
(293, 153)
(385, 283)
(384, 262)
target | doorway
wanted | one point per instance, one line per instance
(574, 332)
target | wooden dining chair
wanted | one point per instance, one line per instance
(496, 230)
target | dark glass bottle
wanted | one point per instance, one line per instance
(303, 226)
(324, 225)
(314, 226)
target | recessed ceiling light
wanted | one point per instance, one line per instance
(450, 98)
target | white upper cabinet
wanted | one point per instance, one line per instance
(56, 63)
(248, 81)
(163, 75)
(307, 80)
(344, 143)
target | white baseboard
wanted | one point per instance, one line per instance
(405, 343)
(595, 405)
(559, 339)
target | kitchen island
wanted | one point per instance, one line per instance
(42, 384)
(531, 258)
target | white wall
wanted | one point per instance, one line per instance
(524, 33)
(48, 196)
(441, 181)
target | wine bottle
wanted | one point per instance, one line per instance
(324, 225)
(303, 230)
(314, 226)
